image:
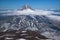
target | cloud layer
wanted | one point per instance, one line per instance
(32, 12)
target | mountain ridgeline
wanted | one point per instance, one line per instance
(28, 22)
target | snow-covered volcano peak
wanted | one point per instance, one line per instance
(25, 7)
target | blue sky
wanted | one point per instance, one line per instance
(39, 4)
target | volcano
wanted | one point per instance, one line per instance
(25, 7)
(28, 19)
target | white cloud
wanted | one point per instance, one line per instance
(53, 17)
(29, 11)
(35, 12)
(6, 11)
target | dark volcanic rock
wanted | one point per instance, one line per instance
(25, 34)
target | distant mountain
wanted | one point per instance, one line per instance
(25, 7)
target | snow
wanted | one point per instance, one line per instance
(8, 38)
(21, 39)
(23, 31)
(32, 28)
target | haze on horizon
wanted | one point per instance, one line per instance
(39, 4)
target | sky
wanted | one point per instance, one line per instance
(38, 4)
